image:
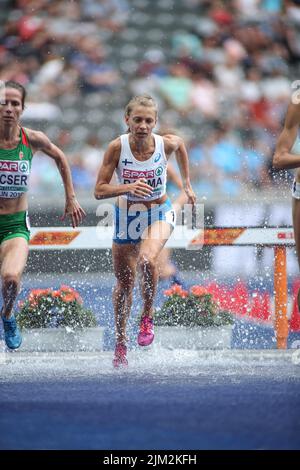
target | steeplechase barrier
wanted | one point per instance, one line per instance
(278, 238)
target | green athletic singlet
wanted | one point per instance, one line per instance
(15, 166)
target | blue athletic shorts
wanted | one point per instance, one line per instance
(130, 223)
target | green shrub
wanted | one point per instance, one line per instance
(191, 308)
(47, 308)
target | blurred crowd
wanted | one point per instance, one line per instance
(221, 72)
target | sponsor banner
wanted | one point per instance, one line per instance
(219, 236)
(100, 237)
(262, 236)
(53, 238)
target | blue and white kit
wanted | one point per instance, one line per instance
(130, 223)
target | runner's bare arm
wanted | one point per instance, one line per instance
(282, 157)
(39, 141)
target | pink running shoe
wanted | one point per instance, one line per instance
(120, 358)
(146, 333)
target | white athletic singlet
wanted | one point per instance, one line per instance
(154, 170)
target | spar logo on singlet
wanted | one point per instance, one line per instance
(14, 167)
(24, 167)
(153, 177)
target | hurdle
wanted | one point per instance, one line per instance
(278, 238)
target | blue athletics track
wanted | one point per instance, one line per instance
(167, 399)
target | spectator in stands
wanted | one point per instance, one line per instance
(110, 14)
(204, 95)
(176, 88)
(96, 74)
(253, 162)
(249, 50)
